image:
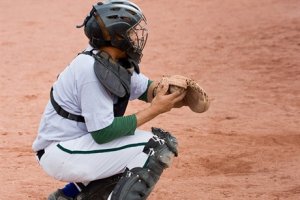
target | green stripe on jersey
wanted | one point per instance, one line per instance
(100, 150)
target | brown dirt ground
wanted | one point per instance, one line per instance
(245, 53)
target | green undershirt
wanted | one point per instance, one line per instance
(121, 126)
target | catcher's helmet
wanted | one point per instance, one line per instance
(117, 23)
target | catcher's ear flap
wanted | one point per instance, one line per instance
(196, 98)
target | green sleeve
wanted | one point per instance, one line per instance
(121, 126)
(144, 97)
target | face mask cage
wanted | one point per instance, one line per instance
(138, 35)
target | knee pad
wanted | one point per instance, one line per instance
(169, 139)
(138, 182)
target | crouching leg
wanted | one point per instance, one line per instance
(137, 183)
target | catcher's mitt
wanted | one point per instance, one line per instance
(196, 98)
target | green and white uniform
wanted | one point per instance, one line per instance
(76, 151)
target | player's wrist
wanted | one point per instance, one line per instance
(146, 115)
(154, 110)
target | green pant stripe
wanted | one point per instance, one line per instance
(100, 150)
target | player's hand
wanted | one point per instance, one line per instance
(164, 102)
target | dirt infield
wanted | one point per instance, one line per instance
(245, 53)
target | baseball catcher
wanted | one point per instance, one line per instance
(84, 138)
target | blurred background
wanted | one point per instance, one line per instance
(244, 53)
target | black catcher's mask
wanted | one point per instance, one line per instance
(117, 23)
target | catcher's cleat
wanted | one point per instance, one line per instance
(59, 195)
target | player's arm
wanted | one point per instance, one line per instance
(126, 125)
(161, 103)
(121, 126)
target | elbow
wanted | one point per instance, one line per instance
(99, 138)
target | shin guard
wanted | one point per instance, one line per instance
(137, 183)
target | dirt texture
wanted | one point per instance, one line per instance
(244, 53)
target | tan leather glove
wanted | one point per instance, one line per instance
(196, 98)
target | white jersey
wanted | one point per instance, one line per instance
(78, 91)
